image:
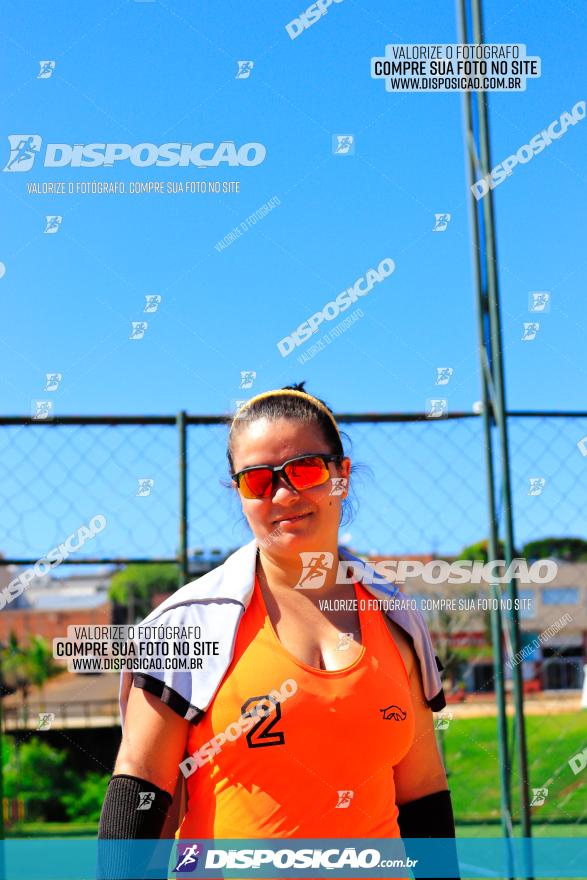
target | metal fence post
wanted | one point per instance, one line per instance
(183, 500)
(492, 544)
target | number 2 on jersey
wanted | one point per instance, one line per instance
(262, 733)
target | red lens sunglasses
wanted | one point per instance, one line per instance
(301, 472)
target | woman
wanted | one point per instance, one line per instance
(314, 716)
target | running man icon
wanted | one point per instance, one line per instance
(314, 569)
(23, 152)
(189, 860)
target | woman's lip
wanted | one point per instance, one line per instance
(292, 518)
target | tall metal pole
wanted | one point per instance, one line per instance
(499, 385)
(492, 548)
(183, 500)
(485, 258)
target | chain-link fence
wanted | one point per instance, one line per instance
(420, 486)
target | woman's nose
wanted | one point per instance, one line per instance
(283, 490)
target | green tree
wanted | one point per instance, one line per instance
(26, 666)
(85, 804)
(479, 552)
(15, 672)
(7, 751)
(40, 665)
(134, 586)
(36, 772)
(567, 549)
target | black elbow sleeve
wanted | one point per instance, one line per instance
(133, 809)
(430, 816)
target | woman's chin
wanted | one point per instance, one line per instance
(296, 538)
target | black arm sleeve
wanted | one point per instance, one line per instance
(133, 809)
(430, 816)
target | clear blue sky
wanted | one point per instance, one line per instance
(135, 72)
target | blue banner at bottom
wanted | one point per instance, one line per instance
(47, 859)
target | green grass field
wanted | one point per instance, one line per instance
(471, 756)
(548, 829)
(90, 831)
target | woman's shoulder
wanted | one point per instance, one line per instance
(403, 642)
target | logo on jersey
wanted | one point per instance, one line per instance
(393, 713)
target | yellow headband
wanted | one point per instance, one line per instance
(292, 393)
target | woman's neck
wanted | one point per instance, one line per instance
(318, 577)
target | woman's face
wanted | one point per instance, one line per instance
(274, 521)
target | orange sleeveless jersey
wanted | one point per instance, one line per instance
(318, 762)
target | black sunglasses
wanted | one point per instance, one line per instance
(301, 472)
